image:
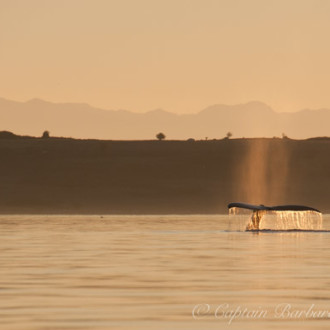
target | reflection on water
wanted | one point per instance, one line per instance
(149, 272)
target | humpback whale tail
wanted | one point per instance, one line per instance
(293, 213)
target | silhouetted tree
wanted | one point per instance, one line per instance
(229, 135)
(45, 135)
(160, 136)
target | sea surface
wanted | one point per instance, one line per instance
(160, 272)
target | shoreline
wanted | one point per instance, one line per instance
(58, 175)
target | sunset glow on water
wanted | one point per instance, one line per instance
(159, 272)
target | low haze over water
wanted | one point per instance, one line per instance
(160, 272)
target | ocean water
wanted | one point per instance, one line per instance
(160, 272)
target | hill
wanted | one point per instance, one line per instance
(84, 121)
(92, 176)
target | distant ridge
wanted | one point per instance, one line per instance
(81, 120)
(8, 135)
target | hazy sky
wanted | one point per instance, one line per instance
(179, 55)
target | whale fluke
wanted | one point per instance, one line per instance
(272, 208)
(258, 211)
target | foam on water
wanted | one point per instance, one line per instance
(278, 220)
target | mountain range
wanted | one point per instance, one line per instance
(80, 120)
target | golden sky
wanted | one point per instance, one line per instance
(179, 55)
